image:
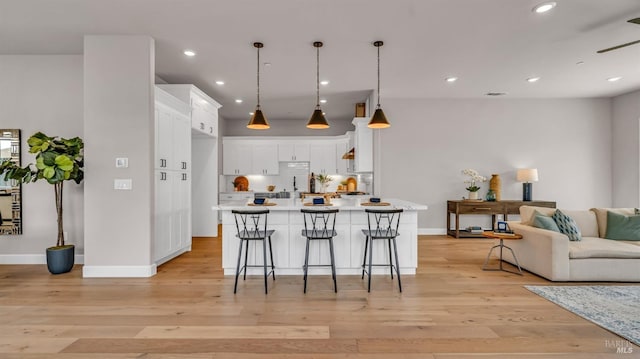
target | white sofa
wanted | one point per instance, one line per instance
(551, 255)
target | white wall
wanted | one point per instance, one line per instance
(42, 93)
(626, 148)
(431, 141)
(204, 186)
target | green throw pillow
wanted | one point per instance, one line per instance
(545, 222)
(567, 226)
(623, 227)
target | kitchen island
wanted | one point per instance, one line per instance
(289, 245)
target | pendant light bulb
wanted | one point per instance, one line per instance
(258, 120)
(317, 120)
(378, 120)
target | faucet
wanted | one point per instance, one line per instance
(294, 184)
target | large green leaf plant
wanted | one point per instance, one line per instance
(57, 160)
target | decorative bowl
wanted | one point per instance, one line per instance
(258, 201)
(318, 201)
(374, 200)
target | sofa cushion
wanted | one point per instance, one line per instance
(567, 225)
(623, 227)
(594, 247)
(528, 212)
(545, 222)
(601, 216)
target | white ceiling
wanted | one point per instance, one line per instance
(491, 45)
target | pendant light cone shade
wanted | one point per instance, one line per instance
(378, 120)
(317, 120)
(258, 120)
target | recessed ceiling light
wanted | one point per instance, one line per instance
(251, 113)
(220, 83)
(580, 63)
(323, 101)
(238, 100)
(324, 113)
(189, 53)
(496, 93)
(614, 79)
(451, 79)
(533, 79)
(324, 83)
(544, 7)
(267, 64)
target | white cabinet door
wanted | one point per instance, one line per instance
(182, 143)
(322, 158)
(265, 159)
(164, 138)
(162, 216)
(236, 158)
(363, 143)
(293, 151)
(182, 209)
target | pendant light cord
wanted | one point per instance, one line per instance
(378, 77)
(317, 77)
(258, 94)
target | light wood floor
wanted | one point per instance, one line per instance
(450, 309)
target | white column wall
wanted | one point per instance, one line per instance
(626, 150)
(119, 122)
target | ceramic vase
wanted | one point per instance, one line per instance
(495, 184)
(473, 195)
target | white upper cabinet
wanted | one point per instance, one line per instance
(322, 157)
(265, 159)
(237, 158)
(363, 144)
(293, 151)
(204, 109)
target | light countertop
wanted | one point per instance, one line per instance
(348, 204)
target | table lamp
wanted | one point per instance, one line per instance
(526, 176)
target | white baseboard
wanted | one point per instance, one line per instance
(32, 259)
(119, 271)
(432, 231)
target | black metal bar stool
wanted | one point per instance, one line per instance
(319, 225)
(252, 226)
(382, 224)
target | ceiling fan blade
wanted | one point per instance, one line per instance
(619, 46)
(635, 21)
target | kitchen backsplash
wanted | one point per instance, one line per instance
(284, 181)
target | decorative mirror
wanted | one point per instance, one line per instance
(10, 191)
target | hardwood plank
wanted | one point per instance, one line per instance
(236, 332)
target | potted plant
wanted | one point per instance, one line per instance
(57, 160)
(324, 181)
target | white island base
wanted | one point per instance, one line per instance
(289, 245)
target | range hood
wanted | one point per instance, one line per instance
(350, 155)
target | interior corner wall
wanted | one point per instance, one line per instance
(42, 93)
(626, 150)
(119, 122)
(431, 140)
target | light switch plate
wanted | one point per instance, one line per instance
(122, 162)
(122, 184)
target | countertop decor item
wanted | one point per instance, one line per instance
(271, 187)
(474, 179)
(241, 183)
(258, 120)
(317, 120)
(378, 120)
(324, 182)
(526, 176)
(57, 160)
(495, 185)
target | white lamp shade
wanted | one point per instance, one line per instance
(527, 175)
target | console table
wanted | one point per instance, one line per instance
(504, 208)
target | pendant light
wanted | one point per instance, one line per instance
(378, 120)
(317, 120)
(258, 121)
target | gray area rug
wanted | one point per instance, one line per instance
(615, 308)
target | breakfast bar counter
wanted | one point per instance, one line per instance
(289, 245)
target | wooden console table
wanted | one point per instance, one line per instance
(504, 208)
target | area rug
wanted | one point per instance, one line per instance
(615, 308)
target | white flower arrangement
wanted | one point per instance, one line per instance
(474, 177)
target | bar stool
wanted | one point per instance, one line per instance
(252, 226)
(382, 224)
(319, 225)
